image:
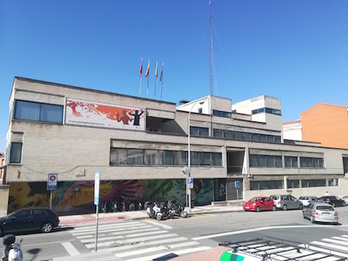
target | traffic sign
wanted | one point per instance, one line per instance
(236, 184)
(52, 181)
(190, 183)
(96, 188)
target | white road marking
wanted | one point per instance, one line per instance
(158, 224)
(70, 249)
(257, 229)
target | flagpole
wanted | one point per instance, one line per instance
(156, 76)
(148, 82)
(161, 79)
(140, 88)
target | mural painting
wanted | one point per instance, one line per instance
(119, 195)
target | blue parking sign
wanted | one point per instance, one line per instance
(236, 184)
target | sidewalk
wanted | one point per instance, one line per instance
(86, 219)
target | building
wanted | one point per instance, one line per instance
(140, 147)
(326, 124)
(2, 164)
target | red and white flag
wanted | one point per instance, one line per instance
(141, 68)
(148, 69)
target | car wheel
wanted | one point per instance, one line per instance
(258, 209)
(304, 216)
(285, 207)
(46, 228)
(273, 208)
(312, 219)
(343, 204)
(300, 207)
(1, 231)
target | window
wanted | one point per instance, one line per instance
(33, 111)
(119, 156)
(265, 161)
(293, 183)
(16, 152)
(235, 135)
(307, 162)
(222, 113)
(199, 131)
(267, 110)
(333, 182)
(269, 184)
(313, 183)
(290, 162)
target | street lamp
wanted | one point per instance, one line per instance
(188, 169)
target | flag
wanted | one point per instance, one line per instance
(161, 76)
(148, 69)
(156, 71)
(141, 68)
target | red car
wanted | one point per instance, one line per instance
(259, 203)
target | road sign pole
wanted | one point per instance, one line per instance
(96, 202)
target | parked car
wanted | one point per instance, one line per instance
(286, 202)
(27, 219)
(320, 212)
(333, 201)
(345, 198)
(306, 200)
(259, 203)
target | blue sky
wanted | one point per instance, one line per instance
(293, 50)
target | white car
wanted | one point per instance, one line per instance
(306, 200)
(345, 198)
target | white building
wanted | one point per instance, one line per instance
(140, 147)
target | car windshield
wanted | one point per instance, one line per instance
(325, 208)
(255, 199)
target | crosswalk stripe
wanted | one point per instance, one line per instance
(117, 224)
(328, 251)
(156, 248)
(340, 238)
(171, 253)
(335, 241)
(110, 230)
(103, 227)
(148, 233)
(101, 239)
(146, 244)
(158, 224)
(130, 241)
(330, 246)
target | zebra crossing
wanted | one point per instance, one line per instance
(137, 240)
(336, 245)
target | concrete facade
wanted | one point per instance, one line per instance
(229, 142)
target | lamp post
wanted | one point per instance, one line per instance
(188, 171)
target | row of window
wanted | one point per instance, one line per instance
(279, 184)
(119, 156)
(269, 161)
(266, 110)
(34, 111)
(235, 135)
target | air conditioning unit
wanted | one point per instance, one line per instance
(250, 176)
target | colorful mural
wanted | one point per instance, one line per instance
(78, 196)
(87, 113)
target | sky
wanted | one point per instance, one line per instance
(293, 50)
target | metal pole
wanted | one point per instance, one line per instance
(189, 159)
(51, 200)
(96, 230)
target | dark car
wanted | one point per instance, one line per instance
(333, 201)
(29, 219)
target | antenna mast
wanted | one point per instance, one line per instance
(211, 51)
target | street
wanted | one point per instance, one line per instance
(147, 239)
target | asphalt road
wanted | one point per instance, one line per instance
(207, 229)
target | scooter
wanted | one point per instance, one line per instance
(12, 251)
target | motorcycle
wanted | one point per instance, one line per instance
(12, 251)
(177, 210)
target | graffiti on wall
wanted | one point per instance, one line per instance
(87, 113)
(78, 196)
